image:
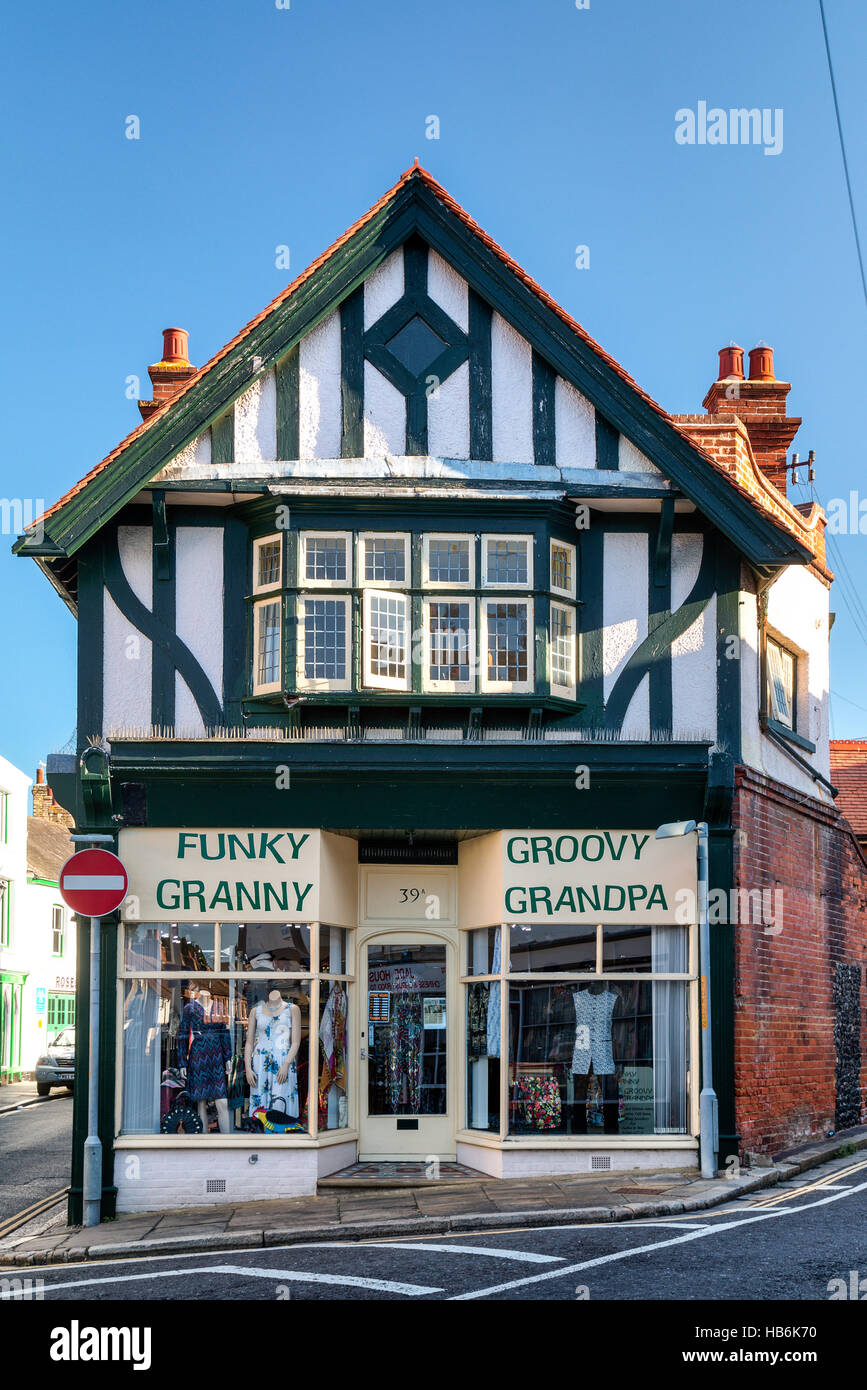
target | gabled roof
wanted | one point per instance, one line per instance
(769, 531)
(48, 848)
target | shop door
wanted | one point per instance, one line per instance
(407, 1047)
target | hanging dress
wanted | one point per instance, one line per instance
(272, 1047)
(593, 1015)
(404, 1054)
(204, 1048)
(332, 1036)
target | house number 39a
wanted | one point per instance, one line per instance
(411, 895)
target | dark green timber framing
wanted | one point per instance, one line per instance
(164, 614)
(237, 566)
(544, 437)
(658, 613)
(288, 429)
(414, 209)
(91, 586)
(352, 376)
(607, 445)
(481, 417)
(718, 810)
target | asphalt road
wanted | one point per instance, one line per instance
(35, 1151)
(785, 1243)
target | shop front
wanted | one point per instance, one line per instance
(285, 1007)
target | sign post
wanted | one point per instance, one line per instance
(93, 883)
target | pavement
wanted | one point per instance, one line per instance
(354, 1211)
(15, 1094)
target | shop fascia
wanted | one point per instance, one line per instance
(611, 877)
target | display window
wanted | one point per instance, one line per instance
(407, 1030)
(596, 1032)
(230, 1052)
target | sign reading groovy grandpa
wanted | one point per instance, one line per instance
(222, 875)
(608, 876)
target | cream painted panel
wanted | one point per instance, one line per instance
(383, 288)
(384, 415)
(511, 394)
(624, 601)
(693, 654)
(448, 289)
(197, 454)
(319, 391)
(575, 427)
(256, 422)
(448, 416)
(126, 652)
(199, 612)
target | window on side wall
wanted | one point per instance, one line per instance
(57, 930)
(5, 912)
(782, 677)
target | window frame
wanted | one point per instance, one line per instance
(368, 680)
(565, 692)
(6, 911)
(268, 687)
(303, 581)
(515, 587)
(442, 585)
(303, 681)
(362, 537)
(571, 592)
(771, 640)
(57, 909)
(486, 685)
(258, 543)
(435, 687)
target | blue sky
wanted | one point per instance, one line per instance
(263, 127)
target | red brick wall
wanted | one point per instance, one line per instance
(784, 1033)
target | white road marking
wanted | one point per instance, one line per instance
(650, 1249)
(527, 1256)
(99, 882)
(275, 1275)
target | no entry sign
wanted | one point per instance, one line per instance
(93, 882)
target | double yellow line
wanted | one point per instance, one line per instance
(827, 1181)
(12, 1223)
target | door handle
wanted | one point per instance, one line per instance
(363, 1054)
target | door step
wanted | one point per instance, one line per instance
(390, 1174)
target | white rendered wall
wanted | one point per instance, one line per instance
(384, 415)
(551, 1162)
(624, 619)
(511, 394)
(693, 654)
(574, 427)
(383, 288)
(126, 651)
(448, 416)
(199, 613)
(798, 610)
(448, 289)
(153, 1179)
(256, 421)
(45, 970)
(196, 455)
(319, 391)
(632, 460)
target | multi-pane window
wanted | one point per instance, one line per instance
(5, 912)
(325, 558)
(323, 649)
(450, 646)
(267, 563)
(383, 559)
(4, 817)
(448, 560)
(61, 1014)
(266, 646)
(57, 930)
(563, 568)
(507, 562)
(506, 653)
(386, 654)
(782, 683)
(562, 650)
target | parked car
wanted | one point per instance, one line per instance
(56, 1066)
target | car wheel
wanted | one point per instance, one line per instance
(43, 1088)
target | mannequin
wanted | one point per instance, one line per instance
(272, 1045)
(204, 1053)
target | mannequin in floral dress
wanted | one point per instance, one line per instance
(273, 1040)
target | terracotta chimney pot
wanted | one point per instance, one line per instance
(762, 363)
(40, 775)
(176, 346)
(731, 362)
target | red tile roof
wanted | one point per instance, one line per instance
(753, 484)
(849, 775)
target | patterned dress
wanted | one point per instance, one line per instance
(273, 1044)
(404, 1055)
(204, 1048)
(593, 1014)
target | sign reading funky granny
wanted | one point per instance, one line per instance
(224, 875)
(608, 876)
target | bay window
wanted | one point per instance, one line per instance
(323, 642)
(266, 646)
(450, 645)
(325, 558)
(507, 562)
(562, 651)
(506, 627)
(386, 640)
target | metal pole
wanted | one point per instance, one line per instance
(708, 1110)
(92, 1146)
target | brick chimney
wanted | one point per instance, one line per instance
(760, 402)
(44, 805)
(171, 372)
